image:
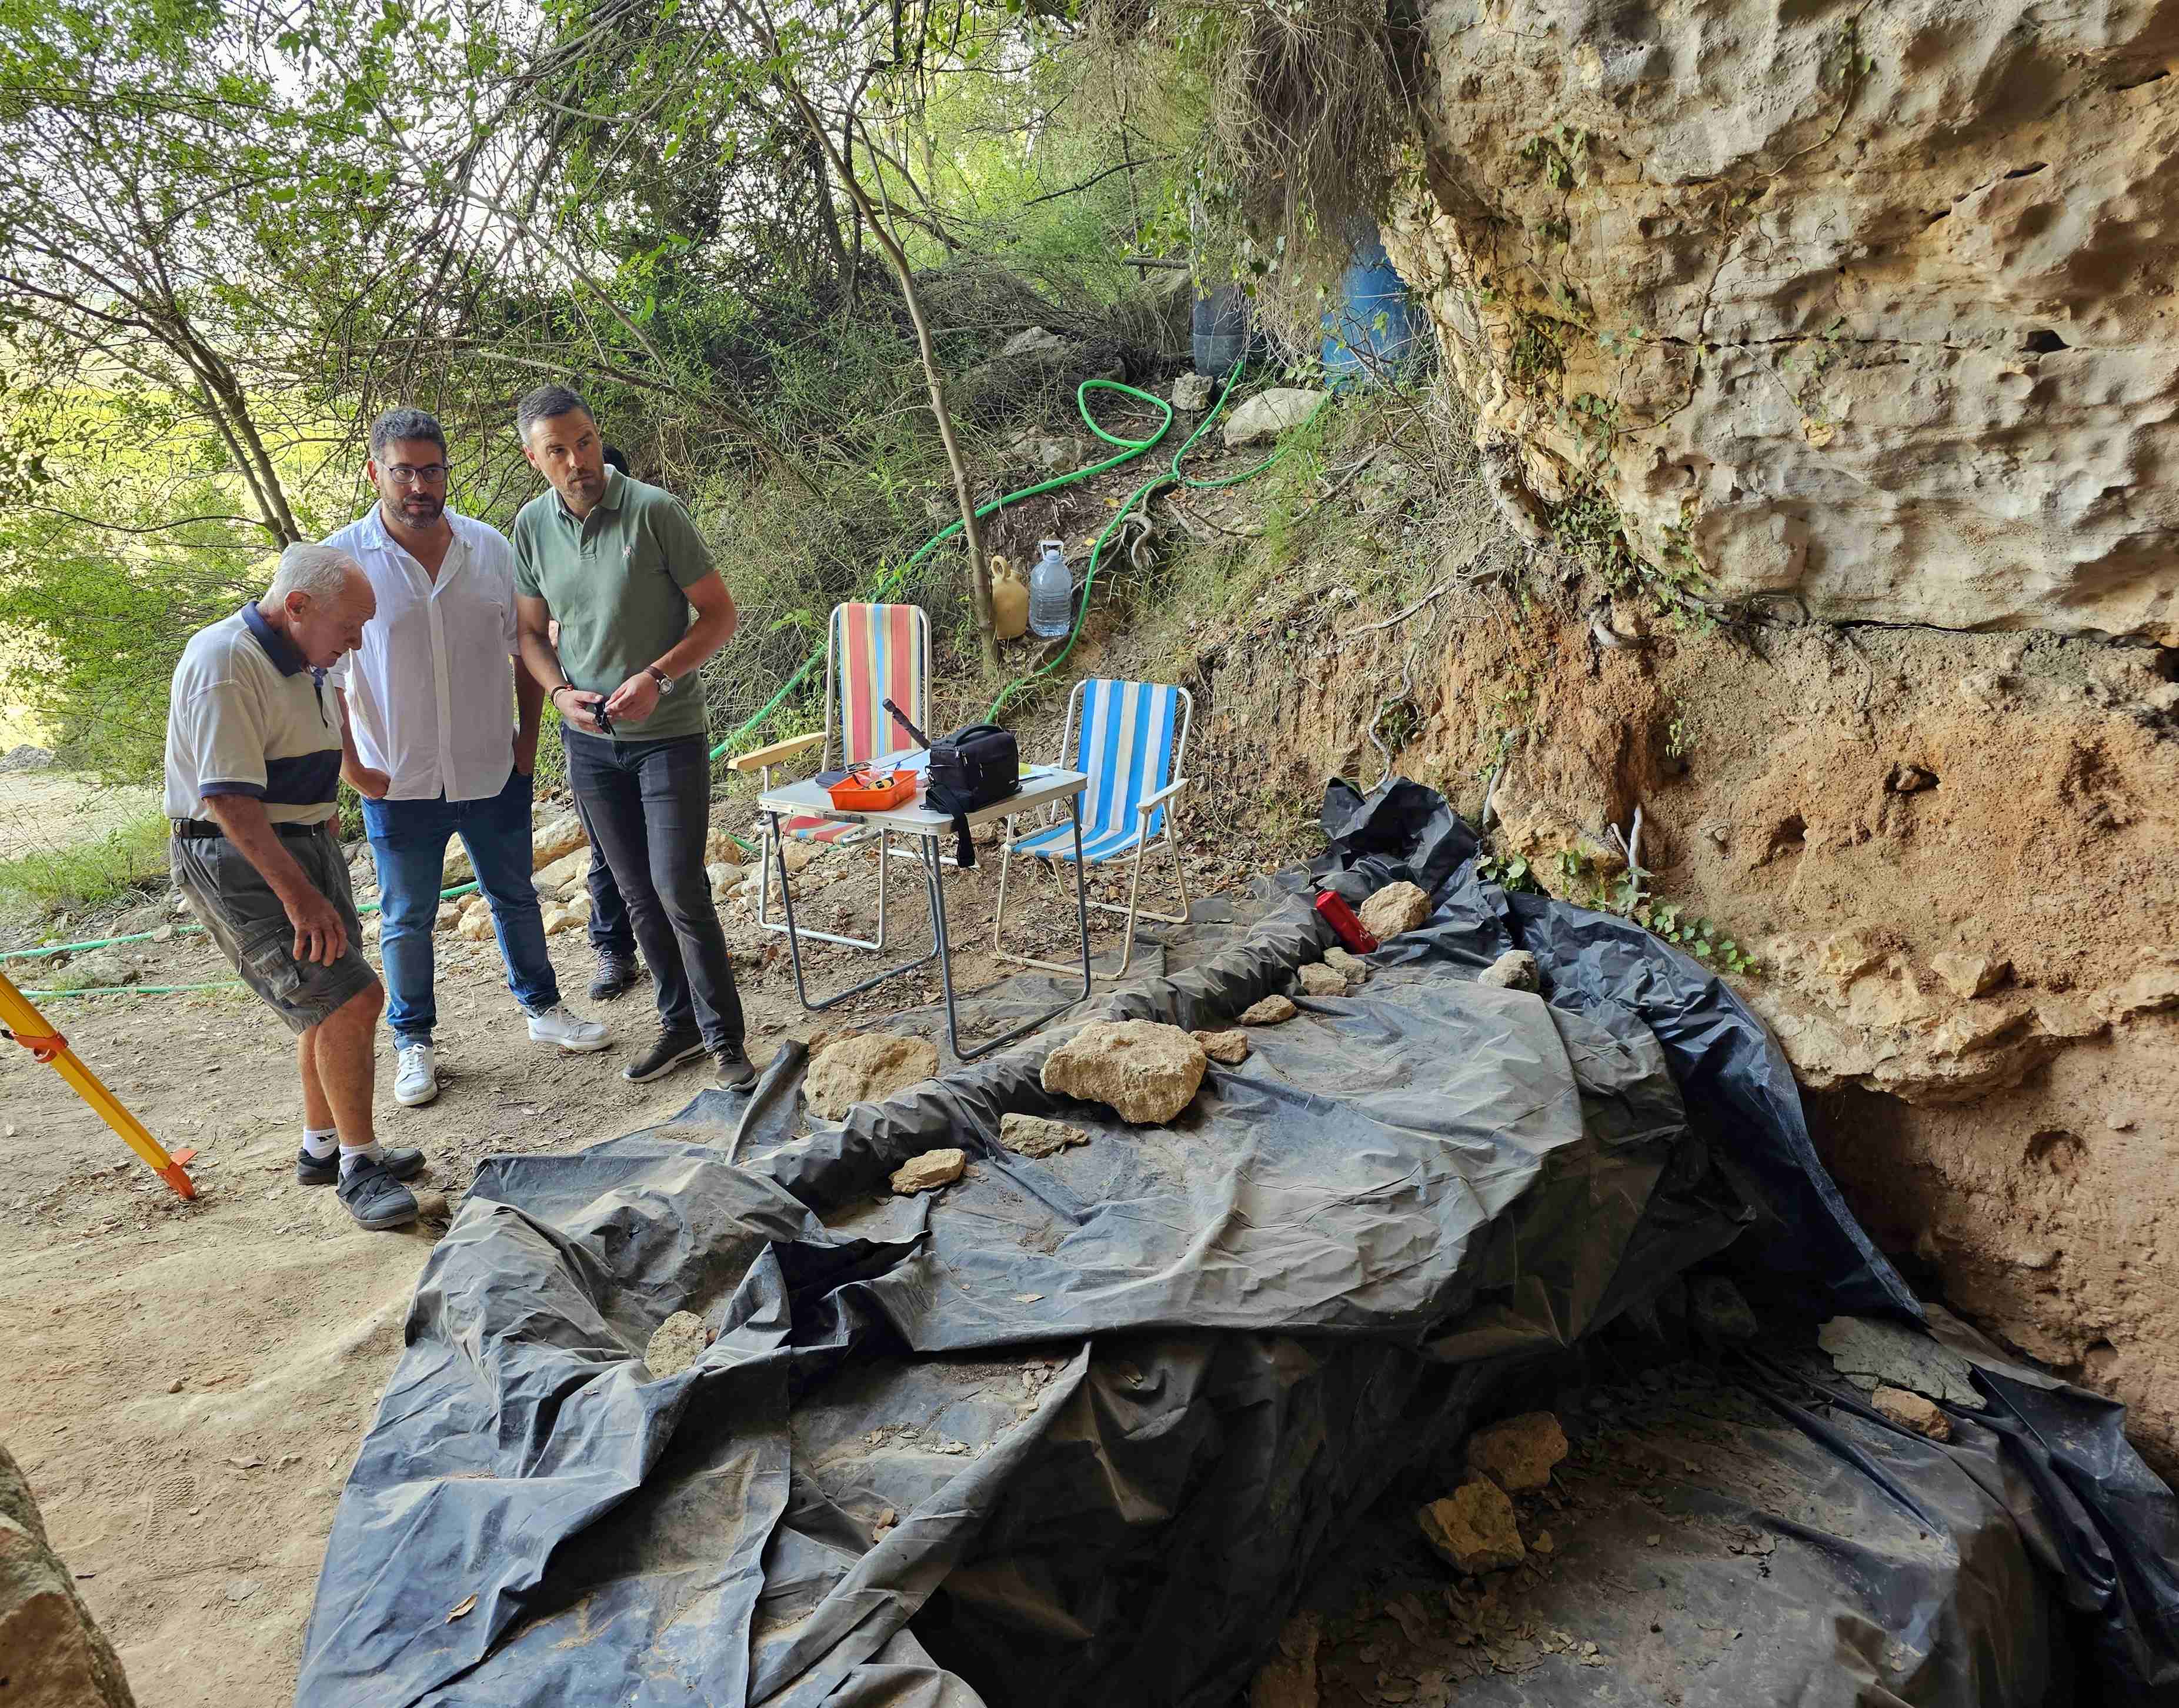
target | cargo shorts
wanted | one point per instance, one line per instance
(251, 927)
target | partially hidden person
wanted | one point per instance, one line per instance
(612, 938)
(440, 708)
(619, 566)
(254, 744)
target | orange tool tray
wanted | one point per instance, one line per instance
(872, 791)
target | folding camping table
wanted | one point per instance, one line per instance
(1041, 786)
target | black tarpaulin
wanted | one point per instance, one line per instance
(1072, 1429)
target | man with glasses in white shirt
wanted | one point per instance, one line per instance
(438, 701)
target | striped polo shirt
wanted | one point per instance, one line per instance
(248, 715)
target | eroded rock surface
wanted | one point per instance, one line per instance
(676, 1343)
(865, 1069)
(52, 1655)
(1145, 1071)
(1032, 1136)
(1229, 1048)
(1474, 1530)
(1520, 1454)
(930, 1171)
(1395, 909)
(1864, 308)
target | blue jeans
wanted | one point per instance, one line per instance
(409, 842)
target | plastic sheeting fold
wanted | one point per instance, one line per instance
(1074, 1430)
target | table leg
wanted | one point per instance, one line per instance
(946, 958)
(794, 941)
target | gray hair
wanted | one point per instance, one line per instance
(405, 424)
(547, 403)
(319, 573)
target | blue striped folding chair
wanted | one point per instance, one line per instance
(1130, 739)
(872, 652)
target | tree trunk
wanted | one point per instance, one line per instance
(972, 532)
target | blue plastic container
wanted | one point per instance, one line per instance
(1375, 324)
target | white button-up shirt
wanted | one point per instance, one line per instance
(431, 692)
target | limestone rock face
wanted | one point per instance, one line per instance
(1145, 1071)
(865, 1069)
(1518, 1453)
(1856, 308)
(1473, 1528)
(55, 1655)
(1395, 909)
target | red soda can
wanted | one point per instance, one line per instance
(1343, 920)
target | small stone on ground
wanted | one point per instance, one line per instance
(1317, 979)
(1268, 1012)
(1719, 1313)
(1911, 1411)
(1514, 970)
(1032, 1136)
(1473, 1528)
(1393, 909)
(1229, 1047)
(677, 1343)
(1350, 967)
(1520, 1454)
(929, 1171)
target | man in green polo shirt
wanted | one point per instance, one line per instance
(622, 569)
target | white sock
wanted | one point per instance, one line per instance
(320, 1143)
(353, 1156)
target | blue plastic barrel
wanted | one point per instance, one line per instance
(1376, 318)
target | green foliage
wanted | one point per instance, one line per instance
(1509, 872)
(1698, 937)
(85, 875)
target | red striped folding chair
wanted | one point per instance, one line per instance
(1130, 739)
(872, 653)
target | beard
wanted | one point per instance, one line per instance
(419, 507)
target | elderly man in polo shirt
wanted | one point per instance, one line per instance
(254, 752)
(619, 566)
(439, 706)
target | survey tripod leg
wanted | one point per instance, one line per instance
(23, 1023)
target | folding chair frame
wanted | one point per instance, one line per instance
(764, 759)
(1168, 835)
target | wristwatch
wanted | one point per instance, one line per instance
(665, 682)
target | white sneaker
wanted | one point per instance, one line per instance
(558, 1025)
(415, 1081)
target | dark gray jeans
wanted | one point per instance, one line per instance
(649, 805)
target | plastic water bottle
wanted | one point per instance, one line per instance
(1051, 591)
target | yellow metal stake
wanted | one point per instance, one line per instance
(34, 1033)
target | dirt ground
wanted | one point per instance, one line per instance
(190, 1381)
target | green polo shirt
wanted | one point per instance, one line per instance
(613, 581)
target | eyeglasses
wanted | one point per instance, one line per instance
(431, 475)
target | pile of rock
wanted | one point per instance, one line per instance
(1475, 1529)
